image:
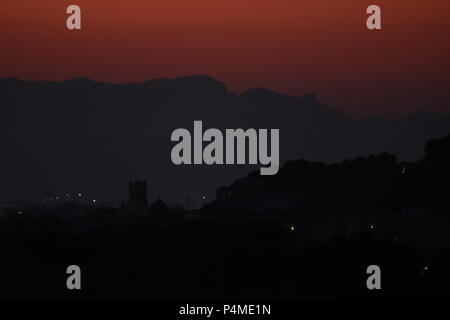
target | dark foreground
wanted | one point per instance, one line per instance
(204, 260)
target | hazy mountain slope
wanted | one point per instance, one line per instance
(80, 135)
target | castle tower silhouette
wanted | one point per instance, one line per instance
(137, 194)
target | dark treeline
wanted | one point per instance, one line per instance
(377, 181)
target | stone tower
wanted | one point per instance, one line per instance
(137, 194)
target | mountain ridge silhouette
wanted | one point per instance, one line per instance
(90, 136)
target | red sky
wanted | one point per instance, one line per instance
(291, 46)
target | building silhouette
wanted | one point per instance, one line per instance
(137, 194)
(159, 207)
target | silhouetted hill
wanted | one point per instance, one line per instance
(377, 182)
(82, 135)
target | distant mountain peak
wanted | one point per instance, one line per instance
(198, 82)
(261, 92)
(78, 80)
(309, 98)
(261, 95)
(197, 78)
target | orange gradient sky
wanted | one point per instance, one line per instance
(291, 46)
